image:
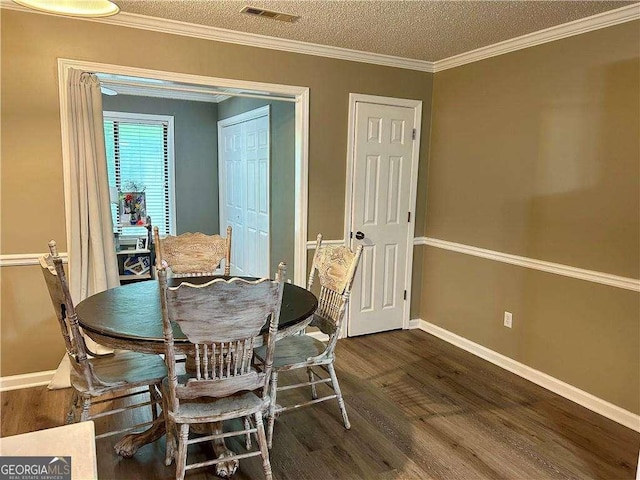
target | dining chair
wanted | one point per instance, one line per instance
(99, 379)
(194, 254)
(335, 267)
(222, 320)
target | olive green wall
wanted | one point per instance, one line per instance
(32, 196)
(536, 153)
(282, 118)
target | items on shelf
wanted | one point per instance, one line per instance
(133, 209)
(135, 254)
(136, 265)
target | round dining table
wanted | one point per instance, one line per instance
(130, 317)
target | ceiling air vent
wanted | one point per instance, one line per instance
(259, 12)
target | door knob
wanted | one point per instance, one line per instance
(359, 235)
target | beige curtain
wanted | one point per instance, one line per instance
(93, 266)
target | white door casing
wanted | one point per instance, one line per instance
(298, 94)
(243, 173)
(382, 174)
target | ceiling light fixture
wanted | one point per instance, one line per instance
(73, 8)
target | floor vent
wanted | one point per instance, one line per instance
(259, 12)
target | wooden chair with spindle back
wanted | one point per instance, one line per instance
(222, 319)
(194, 254)
(97, 379)
(335, 267)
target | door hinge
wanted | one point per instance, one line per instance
(408, 217)
(350, 234)
(413, 134)
(405, 294)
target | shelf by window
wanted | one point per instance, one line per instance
(132, 252)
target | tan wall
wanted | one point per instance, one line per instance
(580, 332)
(32, 189)
(29, 331)
(536, 153)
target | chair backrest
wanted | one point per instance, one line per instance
(56, 281)
(193, 254)
(335, 267)
(221, 320)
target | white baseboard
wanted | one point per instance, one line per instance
(27, 380)
(587, 400)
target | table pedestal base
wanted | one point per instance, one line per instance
(129, 444)
(220, 450)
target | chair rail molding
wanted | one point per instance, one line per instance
(549, 267)
(586, 399)
(22, 259)
(311, 244)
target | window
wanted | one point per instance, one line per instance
(139, 150)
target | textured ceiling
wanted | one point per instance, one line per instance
(422, 30)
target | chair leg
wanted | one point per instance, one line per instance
(336, 388)
(264, 448)
(86, 404)
(170, 436)
(247, 426)
(181, 461)
(154, 398)
(73, 405)
(314, 393)
(272, 407)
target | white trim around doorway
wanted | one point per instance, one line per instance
(301, 95)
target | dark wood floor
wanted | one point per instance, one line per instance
(419, 409)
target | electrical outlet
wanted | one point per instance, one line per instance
(508, 319)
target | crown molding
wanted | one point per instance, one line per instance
(262, 41)
(175, 27)
(583, 25)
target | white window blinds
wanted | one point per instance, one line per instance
(139, 150)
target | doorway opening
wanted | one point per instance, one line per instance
(121, 77)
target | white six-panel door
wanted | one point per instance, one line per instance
(383, 156)
(243, 170)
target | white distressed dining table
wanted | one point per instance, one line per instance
(129, 317)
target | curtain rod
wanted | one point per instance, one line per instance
(179, 88)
